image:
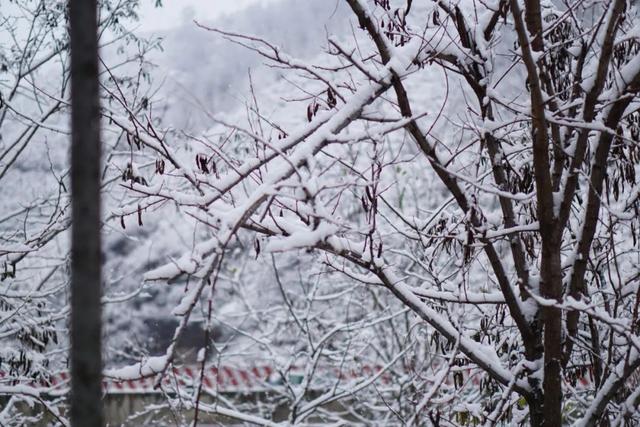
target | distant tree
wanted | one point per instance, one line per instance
(478, 162)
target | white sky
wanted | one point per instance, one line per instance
(175, 12)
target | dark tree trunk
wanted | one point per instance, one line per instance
(536, 412)
(86, 363)
(551, 288)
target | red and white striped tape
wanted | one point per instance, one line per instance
(237, 379)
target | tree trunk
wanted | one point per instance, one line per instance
(551, 288)
(86, 365)
(536, 413)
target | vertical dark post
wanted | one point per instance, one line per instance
(86, 361)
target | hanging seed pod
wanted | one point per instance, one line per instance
(202, 163)
(458, 380)
(309, 113)
(160, 166)
(214, 168)
(331, 98)
(256, 245)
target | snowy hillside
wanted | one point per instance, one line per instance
(198, 70)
